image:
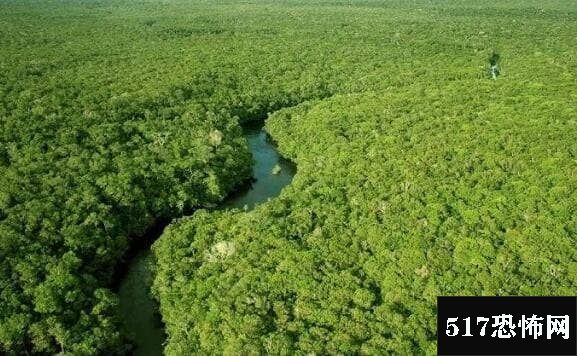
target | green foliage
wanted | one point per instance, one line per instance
(423, 198)
(417, 176)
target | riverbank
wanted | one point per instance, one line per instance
(138, 308)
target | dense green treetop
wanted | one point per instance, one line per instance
(400, 197)
(418, 175)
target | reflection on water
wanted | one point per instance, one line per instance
(138, 309)
(265, 184)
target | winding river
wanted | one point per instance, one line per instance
(139, 310)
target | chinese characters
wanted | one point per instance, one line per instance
(504, 326)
